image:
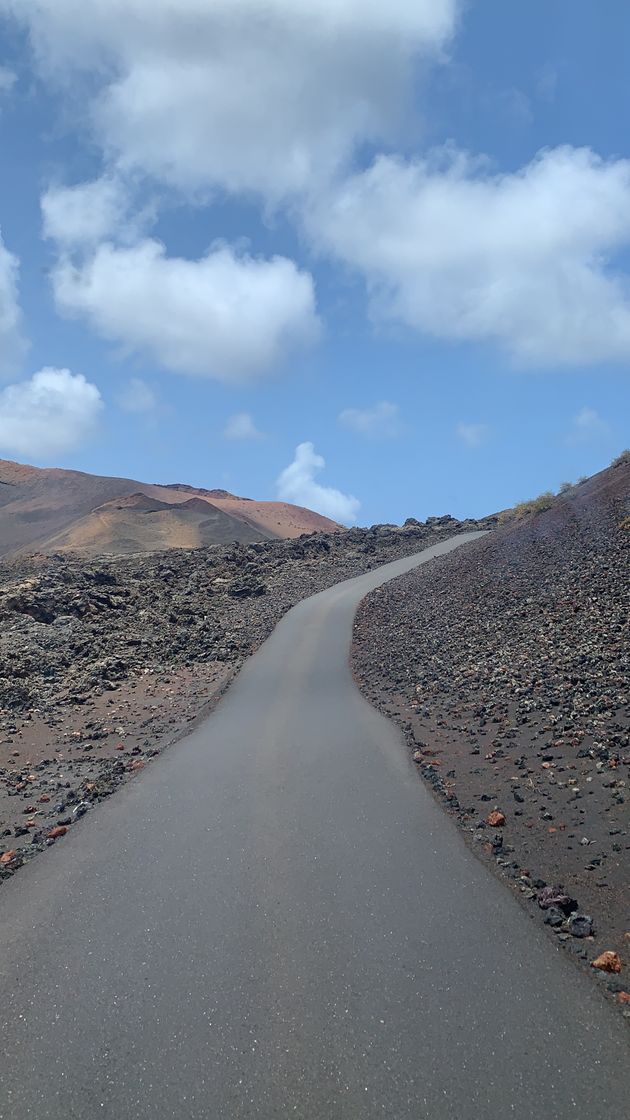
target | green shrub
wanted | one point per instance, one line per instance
(535, 505)
(623, 458)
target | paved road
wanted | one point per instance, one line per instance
(275, 920)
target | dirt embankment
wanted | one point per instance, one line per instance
(103, 663)
(507, 665)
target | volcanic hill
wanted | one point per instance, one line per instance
(52, 510)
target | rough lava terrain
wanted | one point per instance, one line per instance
(507, 664)
(103, 663)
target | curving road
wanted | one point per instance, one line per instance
(275, 920)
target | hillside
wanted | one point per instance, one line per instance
(52, 510)
(507, 666)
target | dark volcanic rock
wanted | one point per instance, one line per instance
(71, 628)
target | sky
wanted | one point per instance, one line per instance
(368, 256)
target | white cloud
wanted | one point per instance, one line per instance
(137, 396)
(525, 259)
(297, 484)
(587, 427)
(263, 95)
(11, 341)
(85, 214)
(241, 426)
(224, 316)
(380, 421)
(54, 412)
(473, 435)
(7, 79)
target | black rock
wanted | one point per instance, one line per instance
(580, 925)
(554, 917)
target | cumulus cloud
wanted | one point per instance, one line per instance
(137, 396)
(11, 340)
(297, 484)
(85, 214)
(54, 412)
(262, 95)
(587, 427)
(525, 259)
(381, 421)
(228, 316)
(241, 426)
(473, 435)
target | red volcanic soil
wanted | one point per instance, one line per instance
(61, 511)
(277, 519)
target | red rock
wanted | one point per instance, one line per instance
(44, 798)
(607, 962)
(7, 857)
(55, 833)
(623, 997)
(495, 819)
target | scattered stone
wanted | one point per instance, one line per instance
(554, 917)
(556, 897)
(496, 819)
(580, 925)
(607, 962)
(55, 833)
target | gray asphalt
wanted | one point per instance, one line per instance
(275, 920)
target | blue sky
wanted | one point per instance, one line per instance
(395, 236)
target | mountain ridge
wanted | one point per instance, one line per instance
(51, 509)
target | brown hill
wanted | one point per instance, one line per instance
(52, 510)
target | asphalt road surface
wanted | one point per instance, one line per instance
(275, 920)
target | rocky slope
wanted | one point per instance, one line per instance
(507, 665)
